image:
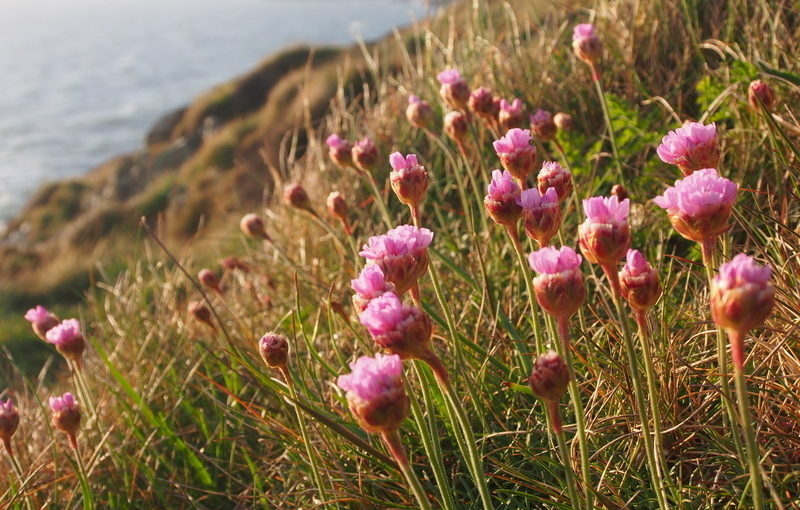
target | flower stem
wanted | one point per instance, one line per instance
(708, 249)
(395, 446)
(535, 310)
(577, 404)
(555, 419)
(387, 219)
(641, 405)
(604, 104)
(83, 476)
(745, 415)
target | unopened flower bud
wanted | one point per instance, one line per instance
(340, 150)
(400, 329)
(454, 90)
(455, 125)
(201, 313)
(481, 102)
(542, 125)
(558, 286)
(639, 282)
(409, 179)
(605, 234)
(375, 392)
(41, 320)
(274, 350)
(516, 153)
(233, 263)
(586, 43)
(541, 214)
(68, 339)
(337, 207)
(502, 201)
(549, 377)
(66, 416)
(9, 421)
(419, 113)
(209, 280)
(563, 121)
(760, 94)
(511, 115)
(253, 226)
(619, 191)
(296, 196)
(365, 154)
(553, 175)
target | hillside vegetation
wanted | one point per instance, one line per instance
(183, 413)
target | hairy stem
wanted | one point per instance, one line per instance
(555, 420)
(395, 446)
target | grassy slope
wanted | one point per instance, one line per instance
(195, 421)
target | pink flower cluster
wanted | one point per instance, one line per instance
(502, 200)
(409, 179)
(605, 235)
(68, 339)
(516, 153)
(553, 261)
(401, 254)
(559, 285)
(553, 175)
(369, 285)
(691, 147)
(541, 214)
(375, 392)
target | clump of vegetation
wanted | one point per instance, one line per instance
(668, 376)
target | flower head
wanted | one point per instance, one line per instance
(401, 254)
(418, 112)
(274, 349)
(369, 285)
(563, 121)
(454, 89)
(549, 377)
(337, 206)
(559, 285)
(699, 205)
(41, 320)
(639, 282)
(553, 175)
(542, 125)
(66, 415)
(375, 392)
(456, 124)
(409, 179)
(511, 115)
(340, 150)
(605, 234)
(541, 214)
(253, 226)
(516, 152)
(586, 43)
(691, 147)
(209, 279)
(741, 297)
(760, 94)
(68, 339)
(365, 154)
(502, 201)
(201, 313)
(9, 421)
(400, 329)
(295, 195)
(481, 101)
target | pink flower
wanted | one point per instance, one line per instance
(400, 329)
(541, 214)
(542, 125)
(502, 201)
(41, 320)
(340, 150)
(375, 392)
(481, 101)
(511, 115)
(741, 296)
(586, 43)
(68, 339)
(369, 285)
(274, 349)
(516, 153)
(66, 416)
(699, 205)
(401, 254)
(365, 154)
(454, 89)
(409, 179)
(559, 285)
(605, 235)
(9, 421)
(691, 147)
(758, 94)
(553, 175)
(639, 282)
(419, 113)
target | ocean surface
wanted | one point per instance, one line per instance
(83, 80)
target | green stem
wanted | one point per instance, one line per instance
(395, 446)
(387, 218)
(427, 432)
(535, 310)
(18, 470)
(601, 94)
(555, 419)
(745, 415)
(708, 249)
(86, 490)
(304, 434)
(641, 405)
(577, 404)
